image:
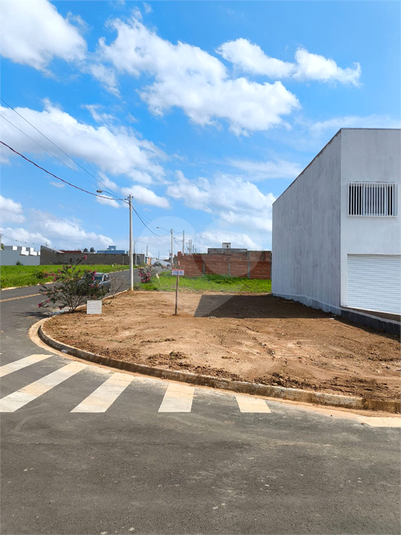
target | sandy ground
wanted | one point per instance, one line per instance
(248, 337)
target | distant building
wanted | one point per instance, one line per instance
(12, 254)
(112, 249)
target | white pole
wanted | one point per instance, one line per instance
(131, 263)
(183, 242)
(172, 248)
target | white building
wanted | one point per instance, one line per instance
(337, 227)
(12, 254)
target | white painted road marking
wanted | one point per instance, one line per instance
(21, 363)
(25, 395)
(377, 421)
(178, 398)
(248, 404)
(104, 396)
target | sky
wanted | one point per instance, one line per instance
(203, 111)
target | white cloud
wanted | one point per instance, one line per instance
(316, 67)
(258, 171)
(232, 199)
(10, 211)
(108, 202)
(97, 115)
(189, 78)
(145, 196)
(22, 236)
(115, 150)
(350, 121)
(105, 182)
(33, 33)
(249, 57)
(65, 233)
(43, 228)
(214, 238)
(106, 76)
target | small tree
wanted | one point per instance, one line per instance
(71, 287)
(92, 250)
(85, 250)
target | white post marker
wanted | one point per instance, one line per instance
(94, 307)
(178, 273)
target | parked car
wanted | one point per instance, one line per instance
(103, 280)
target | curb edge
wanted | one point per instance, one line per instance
(292, 394)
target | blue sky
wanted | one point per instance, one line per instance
(203, 111)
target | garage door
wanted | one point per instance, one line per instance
(374, 282)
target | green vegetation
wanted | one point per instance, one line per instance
(16, 276)
(71, 289)
(213, 283)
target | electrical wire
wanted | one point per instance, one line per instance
(41, 146)
(143, 222)
(57, 177)
(81, 189)
(60, 149)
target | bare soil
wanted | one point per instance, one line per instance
(256, 338)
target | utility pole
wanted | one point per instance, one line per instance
(131, 260)
(183, 242)
(172, 248)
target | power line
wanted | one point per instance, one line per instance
(60, 149)
(41, 146)
(57, 177)
(143, 222)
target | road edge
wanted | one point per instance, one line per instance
(256, 389)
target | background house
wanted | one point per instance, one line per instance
(337, 228)
(12, 254)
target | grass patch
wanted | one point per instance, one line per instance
(17, 276)
(213, 283)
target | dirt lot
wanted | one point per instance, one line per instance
(248, 337)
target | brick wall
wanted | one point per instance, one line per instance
(251, 264)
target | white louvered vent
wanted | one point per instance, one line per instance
(372, 199)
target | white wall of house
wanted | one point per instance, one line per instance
(322, 256)
(306, 234)
(11, 254)
(371, 155)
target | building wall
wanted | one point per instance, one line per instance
(306, 233)
(368, 155)
(52, 257)
(251, 264)
(11, 254)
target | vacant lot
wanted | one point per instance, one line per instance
(257, 338)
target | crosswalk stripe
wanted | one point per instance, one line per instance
(248, 404)
(25, 395)
(178, 398)
(21, 363)
(101, 399)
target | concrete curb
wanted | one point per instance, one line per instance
(255, 389)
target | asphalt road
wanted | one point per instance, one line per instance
(145, 466)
